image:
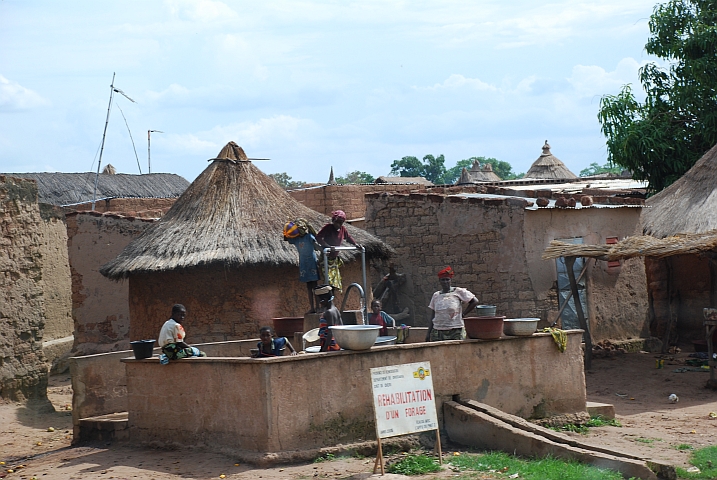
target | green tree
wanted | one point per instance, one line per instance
(454, 173)
(660, 139)
(503, 169)
(595, 169)
(355, 177)
(285, 181)
(431, 168)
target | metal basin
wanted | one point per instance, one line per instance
(386, 340)
(521, 327)
(355, 337)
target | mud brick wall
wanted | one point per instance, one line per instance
(349, 198)
(131, 207)
(100, 307)
(478, 237)
(23, 372)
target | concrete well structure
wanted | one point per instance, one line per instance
(267, 406)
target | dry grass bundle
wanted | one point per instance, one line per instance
(687, 206)
(232, 214)
(638, 246)
(547, 166)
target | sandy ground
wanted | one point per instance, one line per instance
(652, 428)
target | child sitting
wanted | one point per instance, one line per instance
(379, 317)
(171, 338)
(271, 347)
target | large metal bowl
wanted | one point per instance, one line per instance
(355, 337)
(521, 327)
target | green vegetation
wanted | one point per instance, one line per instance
(705, 459)
(597, 421)
(433, 168)
(660, 139)
(683, 446)
(646, 440)
(595, 169)
(325, 458)
(355, 177)
(538, 469)
(285, 181)
(414, 465)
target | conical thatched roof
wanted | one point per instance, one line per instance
(549, 167)
(487, 171)
(687, 206)
(232, 214)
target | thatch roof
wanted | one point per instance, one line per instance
(687, 206)
(63, 189)
(478, 173)
(232, 214)
(403, 180)
(637, 246)
(548, 166)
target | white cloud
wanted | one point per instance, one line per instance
(456, 81)
(590, 80)
(14, 96)
(203, 11)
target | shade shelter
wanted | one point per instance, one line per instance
(219, 251)
(549, 167)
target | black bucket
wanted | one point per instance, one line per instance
(142, 348)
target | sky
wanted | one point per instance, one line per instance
(311, 84)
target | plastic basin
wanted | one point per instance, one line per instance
(484, 328)
(485, 310)
(521, 327)
(355, 337)
(142, 348)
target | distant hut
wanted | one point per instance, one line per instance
(219, 250)
(403, 180)
(478, 173)
(681, 285)
(549, 167)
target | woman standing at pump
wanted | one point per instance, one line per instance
(332, 235)
(448, 311)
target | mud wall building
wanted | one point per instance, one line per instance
(494, 243)
(23, 371)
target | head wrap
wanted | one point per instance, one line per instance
(338, 214)
(446, 273)
(291, 230)
(323, 290)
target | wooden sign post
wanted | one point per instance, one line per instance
(403, 403)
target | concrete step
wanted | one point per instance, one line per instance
(482, 426)
(104, 428)
(604, 410)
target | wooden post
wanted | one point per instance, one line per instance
(670, 300)
(570, 263)
(379, 457)
(438, 446)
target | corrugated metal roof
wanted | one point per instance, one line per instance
(551, 203)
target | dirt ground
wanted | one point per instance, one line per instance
(652, 427)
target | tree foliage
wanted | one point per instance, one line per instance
(431, 168)
(596, 169)
(503, 169)
(285, 181)
(355, 177)
(660, 139)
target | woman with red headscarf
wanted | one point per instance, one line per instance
(332, 235)
(448, 311)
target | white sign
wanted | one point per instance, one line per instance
(403, 399)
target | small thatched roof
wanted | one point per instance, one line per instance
(687, 206)
(548, 166)
(637, 246)
(403, 180)
(232, 214)
(478, 173)
(63, 189)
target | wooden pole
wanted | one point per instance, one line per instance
(379, 457)
(570, 263)
(569, 296)
(438, 446)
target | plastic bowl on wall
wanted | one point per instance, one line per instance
(485, 310)
(142, 348)
(484, 328)
(520, 327)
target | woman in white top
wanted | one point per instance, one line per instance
(448, 311)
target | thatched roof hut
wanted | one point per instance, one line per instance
(403, 180)
(65, 189)
(548, 166)
(478, 173)
(687, 206)
(231, 215)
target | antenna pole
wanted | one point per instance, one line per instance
(104, 134)
(149, 161)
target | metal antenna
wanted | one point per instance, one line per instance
(149, 161)
(130, 137)
(104, 134)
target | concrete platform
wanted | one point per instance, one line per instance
(604, 410)
(105, 428)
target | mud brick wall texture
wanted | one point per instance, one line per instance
(477, 237)
(23, 372)
(349, 198)
(100, 307)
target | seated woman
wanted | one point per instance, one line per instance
(379, 317)
(270, 346)
(172, 336)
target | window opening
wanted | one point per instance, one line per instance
(569, 317)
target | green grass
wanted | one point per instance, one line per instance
(597, 421)
(706, 460)
(683, 446)
(540, 469)
(414, 465)
(325, 458)
(645, 440)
